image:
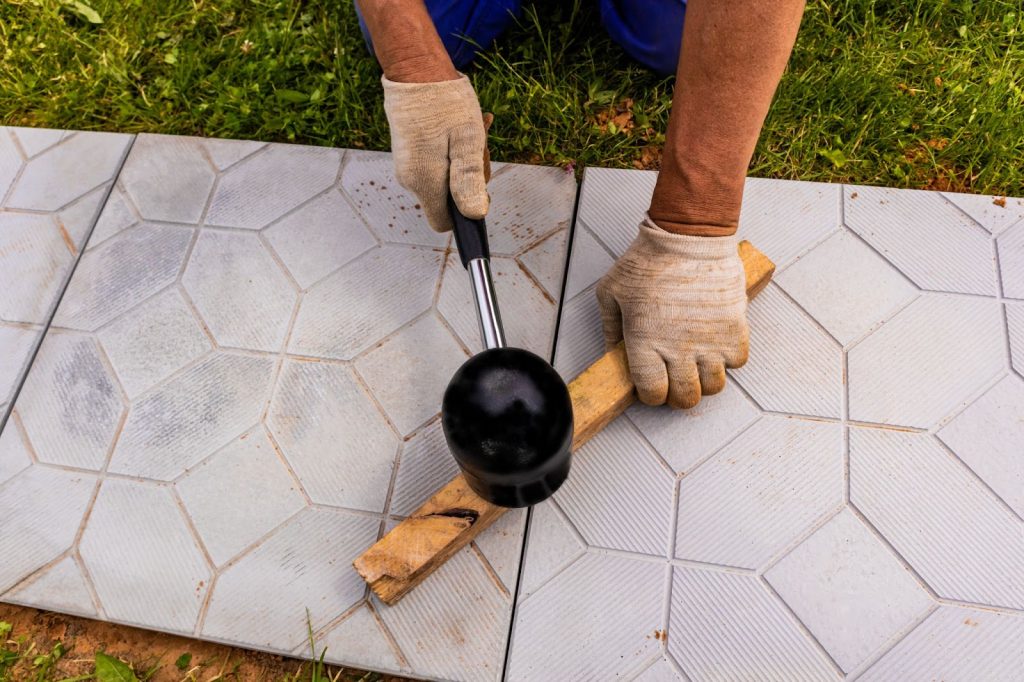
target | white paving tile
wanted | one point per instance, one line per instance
(994, 213)
(391, 212)
(304, 568)
(502, 544)
(69, 405)
(988, 435)
(42, 509)
(685, 439)
(365, 301)
(120, 274)
(159, 579)
(16, 344)
(319, 237)
(10, 162)
(238, 495)
(77, 218)
(14, 450)
(61, 587)
(226, 153)
(152, 341)
(660, 671)
(65, 172)
(595, 620)
(793, 365)
(531, 313)
(546, 262)
(551, 546)
(846, 286)
(760, 492)
(454, 624)
(619, 494)
(409, 372)
(1011, 261)
(265, 186)
(34, 261)
(1015, 329)
(317, 408)
(528, 203)
(929, 359)
(116, 217)
(35, 140)
(590, 261)
(848, 589)
(358, 640)
(580, 339)
(171, 429)
(957, 645)
(727, 626)
(425, 465)
(168, 178)
(926, 237)
(613, 202)
(947, 526)
(785, 218)
(239, 290)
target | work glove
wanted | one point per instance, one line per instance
(439, 144)
(680, 303)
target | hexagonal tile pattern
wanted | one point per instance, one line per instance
(265, 186)
(303, 568)
(391, 212)
(34, 260)
(238, 495)
(239, 290)
(319, 237)
(160, 578)
(317, 406)
(727, 626)
(956, 644)
(842, 568)
(696, 545)
(619, 495)
(1011, 261)
(409, 372)
(42, 510)
(995, 214)
(36, 140)
(365, 301)
(987, 437)
(168, 178)
(254, 368)
(17, 342)
(846, 286)
(608, 607)
(930, 358)
(149, 343)
(782, 475)
(946, 524)
(925, 236)
(69, 405)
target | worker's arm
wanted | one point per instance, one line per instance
(677, 295)
(438, 138)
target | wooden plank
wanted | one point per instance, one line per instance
(454, 515)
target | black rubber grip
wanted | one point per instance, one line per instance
(470, 235)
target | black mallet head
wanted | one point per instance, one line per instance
(507, 418)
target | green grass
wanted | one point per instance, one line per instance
(925, 94)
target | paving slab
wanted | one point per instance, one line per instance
(849, 506)
(53, 184)
(240, 391)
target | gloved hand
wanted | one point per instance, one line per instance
(439, 144)
(680, 302)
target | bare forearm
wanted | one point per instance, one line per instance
(733, 55)
(406, 42)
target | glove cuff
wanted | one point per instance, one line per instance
(452, 88)
(685, 245)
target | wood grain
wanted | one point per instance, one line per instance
(454, 515)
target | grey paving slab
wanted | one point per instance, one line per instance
(848, 507)
(240, 393)
(52, 186)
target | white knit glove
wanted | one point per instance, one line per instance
(680, 302)
(439, 143)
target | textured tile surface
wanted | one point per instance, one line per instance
(841, 505)
(240, 391)
(52, 186)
